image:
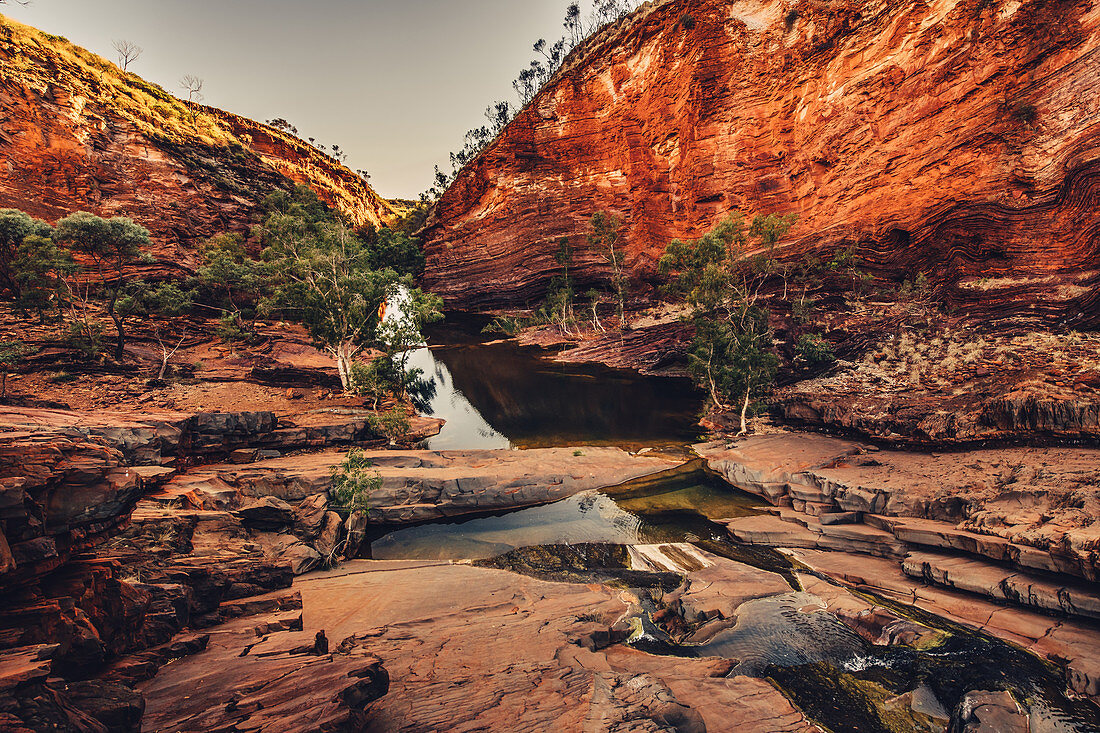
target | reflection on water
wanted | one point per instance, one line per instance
(465, 428)
(679, 513)
(500, 395)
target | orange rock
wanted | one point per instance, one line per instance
(77, 134)
(943, 139)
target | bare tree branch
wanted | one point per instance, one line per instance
(193, 86)
(127, 51)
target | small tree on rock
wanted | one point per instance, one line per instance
(15, 227)
(322, 277)
(40, 269)
(353, 481)
(128, 52)
(108, 245)
(731, 354)
(605, 236)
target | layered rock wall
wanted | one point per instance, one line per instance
(959, 139)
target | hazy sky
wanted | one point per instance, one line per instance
(395, 83)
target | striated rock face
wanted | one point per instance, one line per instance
(954, 138)
(77, 133)
(417, 486)
(1032, 508)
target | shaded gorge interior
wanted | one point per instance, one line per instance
(494, 393)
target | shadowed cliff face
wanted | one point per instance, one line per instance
(77, 133)
(956, 138)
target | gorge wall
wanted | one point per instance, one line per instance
(78, 133)
(959, 138)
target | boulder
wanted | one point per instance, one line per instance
(328, 540)
(355, 528)
(983, 711)
(116, 706)
(301, 558)
(267, 512)
(309, 516)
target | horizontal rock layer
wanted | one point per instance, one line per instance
(68, 479)
(420, 486)
(956, 139)
(1032, 508)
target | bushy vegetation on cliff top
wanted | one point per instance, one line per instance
(41, 61)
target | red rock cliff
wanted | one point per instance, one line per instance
(77, 133)
(956, 137)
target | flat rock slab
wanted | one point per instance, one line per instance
(471, 648)
(272, 682)
(420, 485)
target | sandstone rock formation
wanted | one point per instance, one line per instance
(417, 485)
(1028, 507)
(955, 139)
(96, 580)
(80, 134)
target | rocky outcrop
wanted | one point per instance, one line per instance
(96, 580)
(69, 479)
(1032, 508)
(657, 350)
(254, 677)
(955, 139)
(80, 134)
(417, 485)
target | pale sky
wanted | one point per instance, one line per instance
(395, 83)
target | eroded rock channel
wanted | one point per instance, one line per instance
(182, 572)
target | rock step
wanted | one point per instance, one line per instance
(676, 557)
(270, 603)
(791, 529)
(1003, 584)
(944, 535)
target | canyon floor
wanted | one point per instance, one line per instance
(173, 561)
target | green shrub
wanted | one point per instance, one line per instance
(231, 328)
(87, 337)
(353, 482)
(504, 324)
(802, 310)
(815, 351)
(392, 424)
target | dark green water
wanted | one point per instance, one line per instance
(496, 394)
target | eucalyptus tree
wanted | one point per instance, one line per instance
(107, 245)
